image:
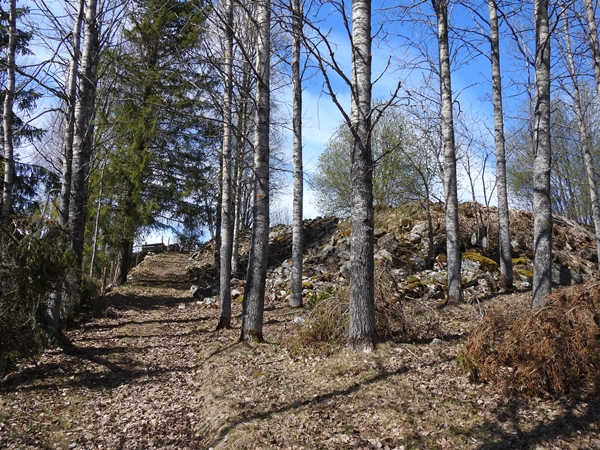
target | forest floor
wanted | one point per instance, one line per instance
(145, 369)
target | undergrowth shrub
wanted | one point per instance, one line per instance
(36, 261)
(396, 318)
(551, 350)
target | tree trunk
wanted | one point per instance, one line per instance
(297, 230)
(123, 262)
(9, 163)
(227, 221)
(254, 292)
(362, 290)
(450, 183)
(97, 225)
(584, 136)
(242, 123)
(542, 210)
(506, 275)
(595, 50)
(82, 140)
(71, 94)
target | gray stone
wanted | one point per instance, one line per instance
(345, 270)
(413, 238)
(565, 276)
(195, 291)
(343, 254)
(388, 242)
(420, 229)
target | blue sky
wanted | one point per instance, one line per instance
(470, 83)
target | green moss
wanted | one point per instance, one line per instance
(412, 280)
(485, 263)
(520, 260)
(416, 286)
(307, 285)
(525, 273)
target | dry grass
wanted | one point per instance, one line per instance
(552, 350)
(152, 373)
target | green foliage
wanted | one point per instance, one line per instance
(156, 172)
(568, 179)
(401, 169)
(36, 260)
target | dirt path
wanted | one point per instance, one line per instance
(149, 372)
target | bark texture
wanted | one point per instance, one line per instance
(503, 219)
(70, 101)
(450, 183)
(7, 114)
(595, 51)
(254, 291)
(542, 210)
(226, 194)
(297, 230)
(83, 138)
(362, 308)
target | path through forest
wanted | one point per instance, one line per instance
(144, 369)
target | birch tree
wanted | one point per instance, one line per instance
(226, 188)
(70, 101)
(254, 291)
(542, 210)
(297, 230)
(362, 284)
(503, 218)
(448, 144)
(83, 137)
(595, 51)
(7, 113)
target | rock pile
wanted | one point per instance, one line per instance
(403, 257)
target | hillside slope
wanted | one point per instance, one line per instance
(144, 369)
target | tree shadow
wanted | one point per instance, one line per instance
(249, 415)
(581, 413)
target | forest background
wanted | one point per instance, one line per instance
(123, 118)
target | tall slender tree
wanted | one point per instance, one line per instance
(83, 138)
(542, 209)
(362, 284)
(227, 206)
(503, 218)
(70, 102)
(7, 114)
(254, 291)
(585, 139)
(297, 229)
(448, 143)
(595, 51)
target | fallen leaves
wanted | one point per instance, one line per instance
(153, 375)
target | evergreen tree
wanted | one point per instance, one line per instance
(159, 161)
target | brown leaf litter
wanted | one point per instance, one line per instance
(145, 370)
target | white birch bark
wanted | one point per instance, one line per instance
(254, 291)
(9, 163)
(297, 229)
(226, 195)
(506, 271)
(71, 98)
(82, 140)
(583, 136)
(595, 50)
(448, 143)
(542, 210)
(362, 291)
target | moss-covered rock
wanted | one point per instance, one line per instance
(486, 264)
